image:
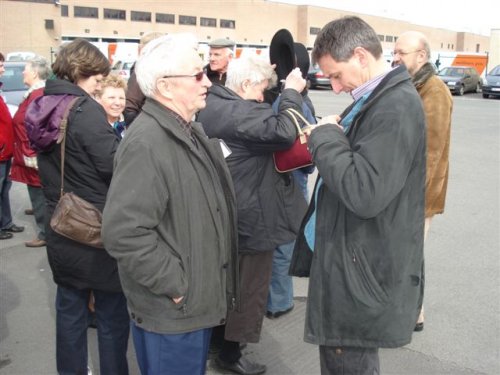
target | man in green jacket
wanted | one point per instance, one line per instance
(170, 216)
(361, 241)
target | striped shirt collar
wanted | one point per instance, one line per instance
(368, 86)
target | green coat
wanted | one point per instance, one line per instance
(365, 272)
(170, 222)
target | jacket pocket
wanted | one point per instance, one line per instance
(360, 281)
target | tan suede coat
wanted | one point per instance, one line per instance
(438, 105)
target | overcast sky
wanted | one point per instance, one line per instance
(477, 17)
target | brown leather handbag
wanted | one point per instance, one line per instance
(74, 217)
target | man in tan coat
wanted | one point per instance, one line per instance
(412, 49)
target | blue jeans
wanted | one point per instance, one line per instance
(38, 203)
(113, 327)
(172, 354)
(5, 184)
(281, 288)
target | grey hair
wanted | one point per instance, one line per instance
(161, 57)
(252, 68)
(40, 65)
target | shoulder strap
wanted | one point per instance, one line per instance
(299, 115)
(62, 137)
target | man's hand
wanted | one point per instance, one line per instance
(327, 120)
(332, 119)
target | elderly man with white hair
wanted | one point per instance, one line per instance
(170, 217)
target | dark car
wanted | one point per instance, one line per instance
(461, 79)
(316, 78)
(13, 87)
(491, 85)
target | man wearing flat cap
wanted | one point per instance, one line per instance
(221, 52)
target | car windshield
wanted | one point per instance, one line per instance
(452, 72)
(12, 79)
(495, 71)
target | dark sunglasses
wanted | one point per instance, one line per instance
(197, 76)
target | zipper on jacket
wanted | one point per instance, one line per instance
(353, 257)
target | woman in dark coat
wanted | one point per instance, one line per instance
(79, 269)
(270, 205)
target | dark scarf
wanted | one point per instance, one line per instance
(424, 73)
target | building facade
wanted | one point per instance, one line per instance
(41, 26)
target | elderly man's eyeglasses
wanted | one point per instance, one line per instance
(402, 53)
(198, 76)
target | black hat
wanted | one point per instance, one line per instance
(303, 60)
(288, 55)
(282, 53)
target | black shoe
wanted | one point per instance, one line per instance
(277, 314)
(14, 229)
(242, 366)
(419, 327)
(4, 235)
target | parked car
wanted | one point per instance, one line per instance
(13, 87)
(316, 78)
(122, 68)
(461, 79)
(491, 85)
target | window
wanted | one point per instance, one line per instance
(165, 18)
(208, 22)
(381, 37)
(86, 12)
(314, 30)
(389, 38)
(478, 47)
(49, 24)
(140, 16)
(187, 20)
(227, 24)
(115, 14)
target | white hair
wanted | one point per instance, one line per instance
(161, 57)
(252, 68)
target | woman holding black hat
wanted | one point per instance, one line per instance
(270, 204)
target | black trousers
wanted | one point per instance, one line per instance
(349, 361)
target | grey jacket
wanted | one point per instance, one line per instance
(170, 222)
(366, 269)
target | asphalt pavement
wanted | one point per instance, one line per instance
(462, 300)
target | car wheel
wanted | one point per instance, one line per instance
(461, 90)
(486, 96)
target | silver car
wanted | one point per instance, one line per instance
(13, 87)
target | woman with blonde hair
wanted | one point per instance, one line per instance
(112, 98)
